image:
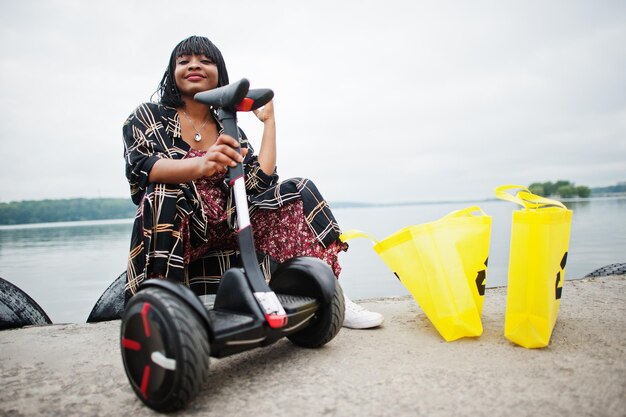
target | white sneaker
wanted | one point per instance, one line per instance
(358, 317)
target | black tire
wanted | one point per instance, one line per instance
(613, 269)
(17, 309)
(110, 305)
(157, 322)
(325, 325)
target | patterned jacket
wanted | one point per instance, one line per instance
(153, 132)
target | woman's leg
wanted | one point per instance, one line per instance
(284, 234)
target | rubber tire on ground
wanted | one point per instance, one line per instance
(156, 320)
(325, 325)
(110, 305)
(18, 309)
(612, 269)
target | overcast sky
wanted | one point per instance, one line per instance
(376, 101)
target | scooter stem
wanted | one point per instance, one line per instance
(236, 180)
(228, 100)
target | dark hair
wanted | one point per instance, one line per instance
(194, 45)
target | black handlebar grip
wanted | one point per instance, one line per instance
(227, 96)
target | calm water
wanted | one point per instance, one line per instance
(65, 267)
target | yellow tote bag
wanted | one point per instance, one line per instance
(540, 234)
(443, 264)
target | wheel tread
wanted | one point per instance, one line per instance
(322, 331)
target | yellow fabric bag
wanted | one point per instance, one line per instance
(443, 264)
(540, 234)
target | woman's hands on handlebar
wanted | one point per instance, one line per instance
(221, 155)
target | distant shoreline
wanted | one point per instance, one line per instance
(94, 211)
(72, 223)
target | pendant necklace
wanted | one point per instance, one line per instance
(198, 136)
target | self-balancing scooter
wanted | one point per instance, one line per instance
(167, 333)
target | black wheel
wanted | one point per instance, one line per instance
(110, 305)
(165, 349)
(17, 309)
(325, 325)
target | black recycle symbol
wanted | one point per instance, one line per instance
(481, 279)
(558, 290)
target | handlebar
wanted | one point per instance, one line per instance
(236, 96)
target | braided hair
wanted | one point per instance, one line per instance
(194, 45)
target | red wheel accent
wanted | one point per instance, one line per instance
(131, 344)
(276, 321)
(145, 379)
(144, 317)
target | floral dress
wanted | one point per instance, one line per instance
(280, 234)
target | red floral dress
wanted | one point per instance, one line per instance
(282, 233)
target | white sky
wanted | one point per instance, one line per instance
(376, 101)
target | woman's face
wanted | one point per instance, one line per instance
(195, 73)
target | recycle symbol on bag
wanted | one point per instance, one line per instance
(481, 279)
(558, 290)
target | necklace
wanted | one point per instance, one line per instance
(198, 136)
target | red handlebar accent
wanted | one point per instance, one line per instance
(245, 104)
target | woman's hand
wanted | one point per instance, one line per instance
(267, 154)
(265, 113)
(221, 155)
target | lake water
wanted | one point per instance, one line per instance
(65, 267)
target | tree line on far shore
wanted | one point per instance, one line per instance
(561, 188)
(66, 210)
(77, 209)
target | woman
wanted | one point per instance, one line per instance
(176, 160)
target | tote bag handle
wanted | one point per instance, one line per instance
(466, 212)
(525, 198)
(355, 233)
